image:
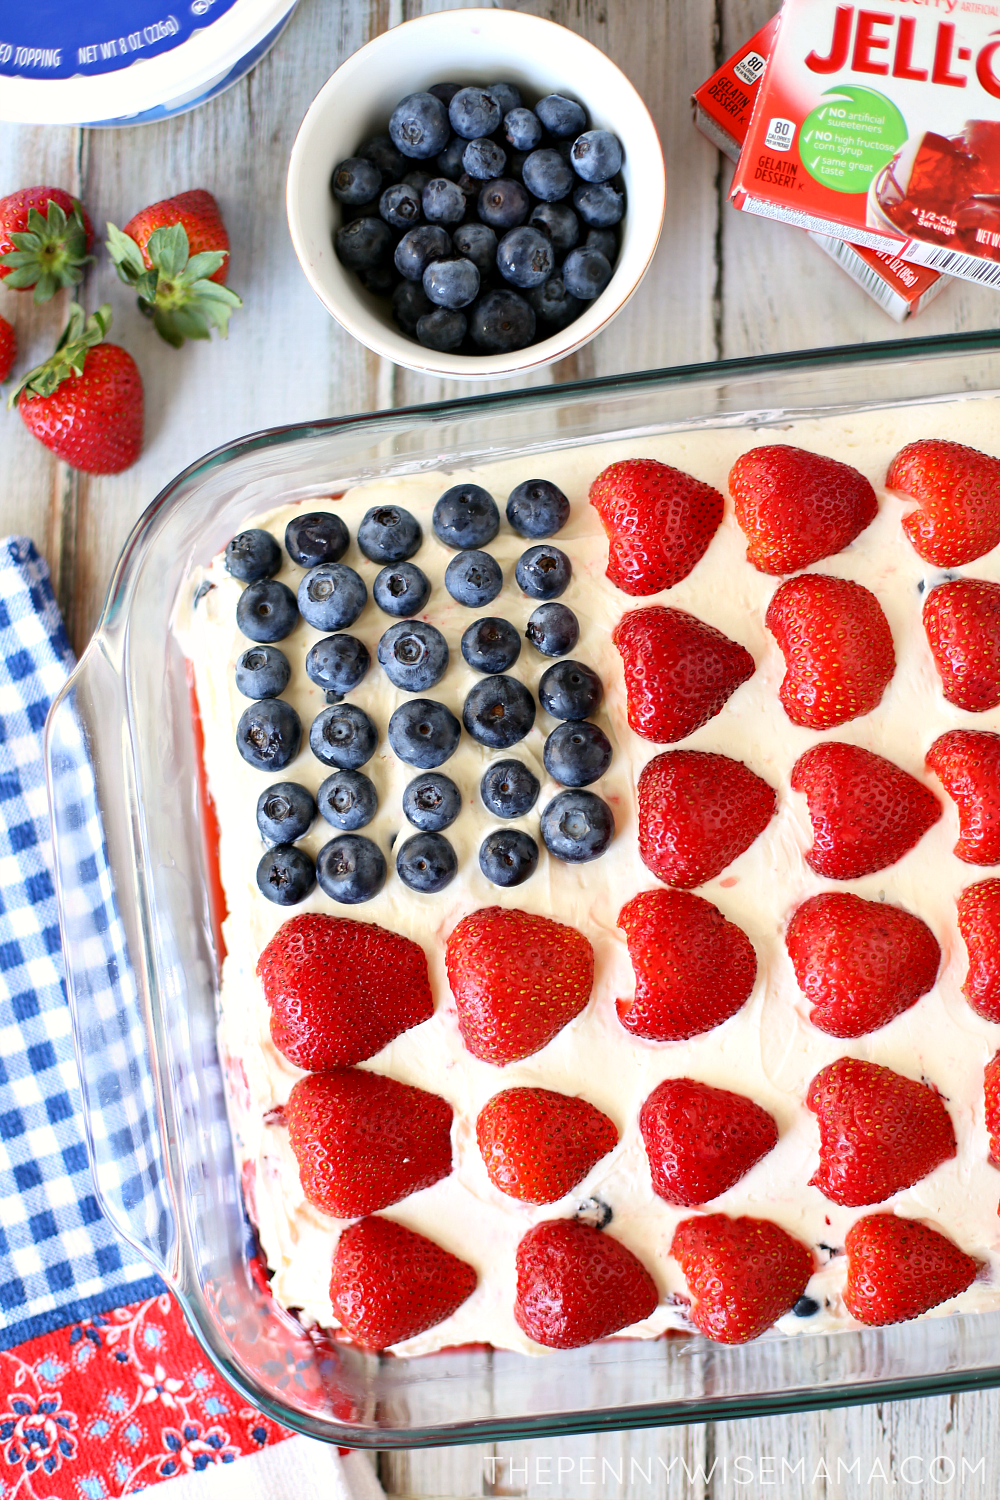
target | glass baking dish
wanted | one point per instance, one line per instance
(136, 908)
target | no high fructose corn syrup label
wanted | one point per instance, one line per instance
(49, 39)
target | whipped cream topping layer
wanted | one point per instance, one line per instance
(768, 1051)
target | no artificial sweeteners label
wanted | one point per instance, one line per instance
(60, 39)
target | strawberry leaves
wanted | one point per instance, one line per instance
(50, 254)
(175, 289)
(80, 335)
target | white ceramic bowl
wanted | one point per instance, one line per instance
(467, 46)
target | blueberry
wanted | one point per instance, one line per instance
(343, 736)
(331, 596)
(442, 330)
(509, 789)
(523, 129)
(269, 734)
(599, 204)
(444, 91)
(604, 240)
(418, 126)
(473, 578)
(380, 150)
(443, 202)
(547, 175)
(364, 243)
(466, 516)
(525, 256)
(266, 611)
(559, 222)
(251, 555)
(351, 211)
(355, 180)
(337, 663)
(381, 281)
(491, 645)
(399, 206)
(484, 160)
(419, 247)
(414, 655)
(477, 243)
(449, 163)
(316, 537)
(409, 304)
(577, 826)
(577, 754)
(570, 690)
(543, 572)
(286, 875)
(805, 1307)
(389, 534)
(561, 117)
(507, 95)
(537, 507)
(451, 283)
(586, 272)
(350, 869)
(515, 164)
(502, 322)
(503, 204)
(285, 811)
(418, 179)
(553, 629)
(474, 112)
(432, 802)
(348, 800)
(498, 711)
(262, 672)
(426, 863)
(596, 155)
(401, 589)
(424, 733)
(508, 857)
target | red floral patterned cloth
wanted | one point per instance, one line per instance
(106, 1407)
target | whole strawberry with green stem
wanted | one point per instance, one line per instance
(175, 254)
(45, 239)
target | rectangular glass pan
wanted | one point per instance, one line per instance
(141, 966)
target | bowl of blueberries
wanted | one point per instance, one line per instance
(476, 193)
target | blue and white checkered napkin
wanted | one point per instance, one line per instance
(60, 1260)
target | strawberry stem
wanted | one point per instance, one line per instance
(175, 291)
(80, 334)
(50, 254)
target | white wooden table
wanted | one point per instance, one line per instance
(722, 285)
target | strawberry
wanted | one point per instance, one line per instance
(693, 969)
(837, 647)
(701, 1140)
(878, 1131)
(537, 1144)
(576, 1284)
(340, 990)
(962, 621)
(518, 979)
(697, 812)
(958, 494)
(390, 1283)
(363, 1141)
(45, 239)
(8, 349)
(979, 924)
(679, 672)
(899, 1268)
(991, 1099)
(175, 254)
(859, 963)
(659, 523)
(743, 1274)
(85, 403)
(968, 764)
(866, 812)
(795, 507)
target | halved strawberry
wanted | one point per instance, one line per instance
(390, 1283)
(697, 812)
(795, 507)
(899, 1268)
(962, 621)
(958, 494)
(968, 764)
(45, 241)
(693, 969)
(679, 672)
(363, 1141)
(837, 647)
(866, 812)
(979, 924)
(518, 979)
(878, 1131)
(538, 1144)
(743, 1274)
(341, 990)
(659, 522)
(576, 1284)
(701, 1140)
(991, 1099)
(859, 963)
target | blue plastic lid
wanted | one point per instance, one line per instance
(51, 39)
